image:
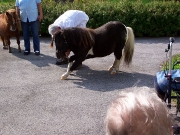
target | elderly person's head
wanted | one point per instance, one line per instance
(138, 112)
(53, 29)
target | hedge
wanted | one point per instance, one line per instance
(152, 19)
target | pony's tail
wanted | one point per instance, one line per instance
(129, 46)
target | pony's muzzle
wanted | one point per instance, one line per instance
(13, 28)
(60, 54)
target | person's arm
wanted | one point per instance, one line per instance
(40, 17)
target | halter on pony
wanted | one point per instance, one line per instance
(59, 49)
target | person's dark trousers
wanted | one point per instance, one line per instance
(33, 27)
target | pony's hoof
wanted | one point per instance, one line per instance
(5, 47)
(113, 71)
(19, 50)
(110, 69)
(63, 77)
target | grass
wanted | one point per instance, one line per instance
(177, 66)
(175, 59)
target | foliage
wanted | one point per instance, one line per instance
(153, 18)
(175, 63)
(5, 6)
(176, 59)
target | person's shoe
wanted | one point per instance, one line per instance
(62, 61)
(37, 53)
(26, 52)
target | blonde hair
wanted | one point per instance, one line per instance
(138, 112)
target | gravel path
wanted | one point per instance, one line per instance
(34, 101)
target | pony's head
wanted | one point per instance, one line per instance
(11, 19)
(62, 46)
(68, 39)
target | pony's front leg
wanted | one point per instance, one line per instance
(18, 42)
(65, 75)
(9, 47)
(72, 66)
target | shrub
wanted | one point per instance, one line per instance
(150, 19)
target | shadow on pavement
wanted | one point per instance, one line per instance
(40, 61)
(103, 81)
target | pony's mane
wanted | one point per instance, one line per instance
(11, 10)
(80, 36)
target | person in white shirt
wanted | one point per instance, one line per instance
(71, 18)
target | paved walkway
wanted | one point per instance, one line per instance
(34, 101)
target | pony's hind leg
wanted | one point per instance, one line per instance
(115, 67)
(118, 57)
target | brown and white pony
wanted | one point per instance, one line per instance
(9, 27)
(86, 43)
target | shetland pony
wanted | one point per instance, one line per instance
(9, 27)
(86, 43)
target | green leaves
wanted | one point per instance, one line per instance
(146, 17)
